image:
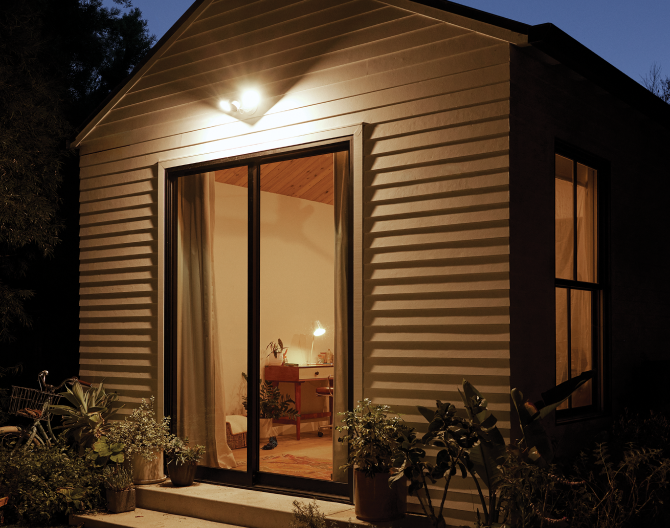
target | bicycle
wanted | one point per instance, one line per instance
(33, 404)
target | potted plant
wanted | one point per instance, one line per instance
(274, 406)
(182, 461)
(119, 489)
(145, 439)
(275, 354)
(373, 444)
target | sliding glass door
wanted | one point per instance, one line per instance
(258, 315)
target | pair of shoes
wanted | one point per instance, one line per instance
(272, 443)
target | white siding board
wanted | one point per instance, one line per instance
(402, 80)
(413, 86)
(435, 235)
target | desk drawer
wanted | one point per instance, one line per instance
(308, 373)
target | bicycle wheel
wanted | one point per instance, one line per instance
(10, 435)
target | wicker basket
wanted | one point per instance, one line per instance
(237, 441)
(29, 402)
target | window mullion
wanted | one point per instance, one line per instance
(253, 318)
(574, 220)
(569, 322)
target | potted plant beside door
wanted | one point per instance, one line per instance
(373, 437)
(119, 489)
(182, 461)
(145, 439)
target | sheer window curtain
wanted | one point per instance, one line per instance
(200, 391)
(342, 303)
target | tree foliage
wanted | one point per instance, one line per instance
(58, 61)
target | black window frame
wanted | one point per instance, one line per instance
(600, 290)
(253, 478)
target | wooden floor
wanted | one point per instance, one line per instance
(310, 448)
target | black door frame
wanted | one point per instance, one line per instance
(252, 478)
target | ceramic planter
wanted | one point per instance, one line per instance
(374, 501)
(121, 501)
(148, 471)
(183, 474)
(266, 429)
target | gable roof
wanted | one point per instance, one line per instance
(546, 38)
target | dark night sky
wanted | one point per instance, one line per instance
(630, 34)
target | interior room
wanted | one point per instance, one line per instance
(298, 324)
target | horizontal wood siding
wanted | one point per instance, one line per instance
(435, 101)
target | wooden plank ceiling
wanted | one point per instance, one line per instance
(307, 178)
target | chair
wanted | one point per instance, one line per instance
(327, 392)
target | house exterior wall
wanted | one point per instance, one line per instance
(435, 102)
(549, 102)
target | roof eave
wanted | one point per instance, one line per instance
(561, 47)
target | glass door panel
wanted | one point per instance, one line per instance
(212, 268)
(297, 316)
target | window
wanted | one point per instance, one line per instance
(577, 280)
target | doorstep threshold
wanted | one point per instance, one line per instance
(238, 507)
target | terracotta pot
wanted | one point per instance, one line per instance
(183, 474)
(374, 501)
(121, 501)
(148, 471)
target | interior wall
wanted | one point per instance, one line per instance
(297, 282)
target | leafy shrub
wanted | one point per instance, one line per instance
(624, 487)
(178, 452)
(141, 432)
(46, 483)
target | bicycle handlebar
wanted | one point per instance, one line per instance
(41, 378)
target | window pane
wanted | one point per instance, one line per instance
(586, 224)
(212, 315)
(581, 342)
(564, 215)
(297, 267)
(562, 338)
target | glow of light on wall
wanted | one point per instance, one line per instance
(246, 105)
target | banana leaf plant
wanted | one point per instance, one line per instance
(87, 417)
(490, 452)
(476, 447)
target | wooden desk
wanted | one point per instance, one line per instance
(298, 376)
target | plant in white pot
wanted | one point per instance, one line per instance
(274, 406)
(145, 439)
(373, 439)
(275, 352)
(182, 461)
(119, 489)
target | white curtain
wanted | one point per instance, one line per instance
(200, 392)
(342, 302)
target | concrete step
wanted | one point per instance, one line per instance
(141, 518)
(212, 506)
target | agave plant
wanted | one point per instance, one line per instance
(87, 417)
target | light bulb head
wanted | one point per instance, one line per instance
(225, 105)
(250, 100)
(318, 329)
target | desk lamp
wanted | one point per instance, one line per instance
(318, 331)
